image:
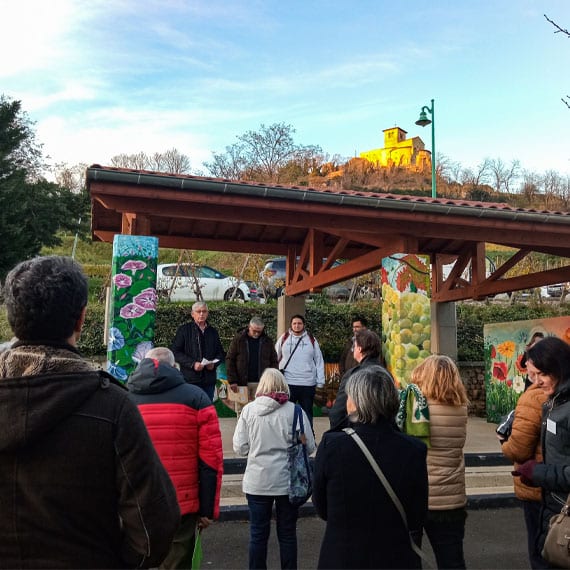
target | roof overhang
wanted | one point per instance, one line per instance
(309, 225)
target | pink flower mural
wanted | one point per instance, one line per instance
(121, 281)
(133, 265)
(132, 311)
(146, 299)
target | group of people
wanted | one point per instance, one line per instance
(199, 351)
(96, 475)
(539, 441)
(365, 527)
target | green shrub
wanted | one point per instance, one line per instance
(329, 322)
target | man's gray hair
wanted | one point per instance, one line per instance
(199, 305)
(374, 394)
(162, 354)
(256, 322)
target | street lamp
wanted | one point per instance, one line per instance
(423, 121)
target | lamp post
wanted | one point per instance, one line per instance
(423, 121)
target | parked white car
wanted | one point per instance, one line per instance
(214, 286)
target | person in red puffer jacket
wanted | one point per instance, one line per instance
(184, 427)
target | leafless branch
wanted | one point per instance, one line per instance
(559, 30)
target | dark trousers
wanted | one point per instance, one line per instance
(304, 396)
(182, 548)
(208, 388)
(286, 514)
(531, 511)
(445, 530)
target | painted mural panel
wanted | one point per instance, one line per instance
(133, 303)
(504, 347)
(406, 314)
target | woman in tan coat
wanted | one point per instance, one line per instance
(438, 379)
(524, 444)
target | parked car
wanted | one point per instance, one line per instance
(272, 279)
(556, 289)
(183, 279)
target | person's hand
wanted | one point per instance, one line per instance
(501, 438)
(204, 522)
(525, 472)
(198, 366)
(210, 366)
(234, 387)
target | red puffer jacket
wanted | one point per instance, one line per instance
(184, 428)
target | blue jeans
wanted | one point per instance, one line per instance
(260, 507)
(304, 396)
(445, 530)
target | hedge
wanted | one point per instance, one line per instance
(329, 322)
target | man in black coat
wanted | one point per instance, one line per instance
(347, 360)
(198, 350)
(81, 485)
(250, 353)
(366, 352)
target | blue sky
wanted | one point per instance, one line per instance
(122, 76)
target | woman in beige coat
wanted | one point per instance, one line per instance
(438, 379)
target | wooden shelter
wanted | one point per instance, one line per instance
(315, 226)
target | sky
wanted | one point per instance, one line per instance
(102, 78)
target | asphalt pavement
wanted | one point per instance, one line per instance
(494, 539)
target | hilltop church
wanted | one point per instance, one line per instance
(400, 151)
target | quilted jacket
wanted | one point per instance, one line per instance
(445, 461)
(524, 441)
(185, 430)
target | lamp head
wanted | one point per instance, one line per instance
(423, 121)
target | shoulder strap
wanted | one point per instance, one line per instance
(391, 493)
(296, 416)
(292, 353)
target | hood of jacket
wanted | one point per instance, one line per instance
(264, 405)
(153, 377)
(40, 386)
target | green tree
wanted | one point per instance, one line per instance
(32, 210)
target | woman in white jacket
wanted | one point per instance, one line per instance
(301, 361)
(263, 433)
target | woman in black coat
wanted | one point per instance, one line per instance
(364, 528)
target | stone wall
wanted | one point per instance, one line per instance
(473, 376)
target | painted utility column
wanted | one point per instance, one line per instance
(406, 314)
(133, 299)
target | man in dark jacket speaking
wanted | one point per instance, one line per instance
(81, 485)
(250, 353)
(198, 350)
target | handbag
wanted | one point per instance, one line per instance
(388, 487)
(300, 486)
(556, 550)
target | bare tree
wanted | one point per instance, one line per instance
(171, 161)
(531, 185)
(553, 185)
(503, 175)
(263, 154)
(559, 30)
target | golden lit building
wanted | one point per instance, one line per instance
(400, 151)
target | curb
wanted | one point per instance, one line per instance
(235, 513)
(236, 466)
